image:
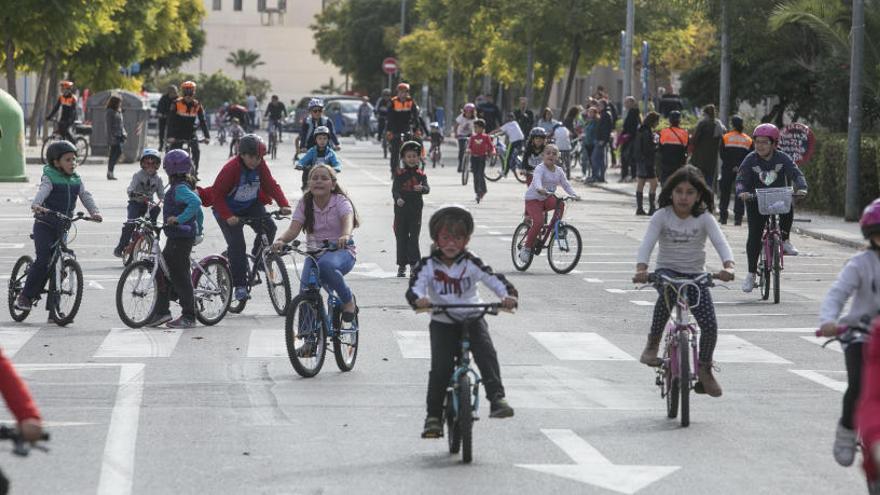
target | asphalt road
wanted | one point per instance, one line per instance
(220, 410)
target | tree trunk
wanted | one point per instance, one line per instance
(530, 72)
(53, 83)
(548, 86)
(10, 66)
(572, 70)
(724, 90)
(39, 102)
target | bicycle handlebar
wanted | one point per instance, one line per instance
(79, 215)
(487, 308)
(277, 215)
(326, 245)
(21, 446)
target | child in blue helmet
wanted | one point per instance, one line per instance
(144, 184)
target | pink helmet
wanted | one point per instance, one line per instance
(469, 106)
(870, 221)
(767, 130)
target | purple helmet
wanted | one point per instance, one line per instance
(870, 221)
(767, 130)
(469, 106)
(177, 162)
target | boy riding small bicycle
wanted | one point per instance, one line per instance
(450, 276)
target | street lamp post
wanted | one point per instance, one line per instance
(854, 136)
(628, 48)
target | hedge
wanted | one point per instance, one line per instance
(826, 173)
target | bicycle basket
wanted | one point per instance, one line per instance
(83, 129)
(774, 200)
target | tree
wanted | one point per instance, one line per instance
(218, 88)
(245, 59)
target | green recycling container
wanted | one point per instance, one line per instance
(11, 140)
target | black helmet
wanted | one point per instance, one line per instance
(57, 149)
(410, 145)
(251, 144)
(537, 132)
(675, 117)
(737, 122)
(449, 214)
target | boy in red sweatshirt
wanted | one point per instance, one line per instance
(480, 146)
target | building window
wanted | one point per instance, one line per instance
(218, 4)
(261, 5)
(236, 5)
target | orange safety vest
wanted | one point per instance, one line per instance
(67, 101)
(736, 139)
(401, 106)
(184, 110)
(674, 136)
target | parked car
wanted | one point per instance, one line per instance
(152, 100)
(347, 104)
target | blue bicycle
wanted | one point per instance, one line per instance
(309, 325)
(463, 393)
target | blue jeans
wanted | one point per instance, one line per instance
(332, 266)
(234, 235)
(598, 163)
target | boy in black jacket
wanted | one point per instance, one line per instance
(410, 183)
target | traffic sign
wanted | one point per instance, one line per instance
(798, 141)
(389, 65)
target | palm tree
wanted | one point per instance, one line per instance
(245, 59)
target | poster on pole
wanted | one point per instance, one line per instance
(798, 141)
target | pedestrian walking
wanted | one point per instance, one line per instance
(735, 146)
(706, 144)
(410, 184)
(115, 133)
(644, 151)
(631, 123)
(162, 109)
(673, 147)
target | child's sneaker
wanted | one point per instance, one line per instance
(159, 320)
(241, 293)
(525, 254)
(181, 322)
(433, 428)
(844, 445)
(401, 271)
(749, 282)
(22, 303)
(117, 252)
(500, 408)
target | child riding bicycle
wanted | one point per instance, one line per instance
(59, 189)
(450, 276)
(144, 184)
(762, 168)
(681, 226)
(859, 280)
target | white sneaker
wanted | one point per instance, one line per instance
(749, 282)
(844, 445)
(525, 254)
(789, 249)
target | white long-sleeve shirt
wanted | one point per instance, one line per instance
(456, 284)
(682, 241)
(859, 279)
(543, 178)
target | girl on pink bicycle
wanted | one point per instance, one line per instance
(539, 196)
(868, 413)
(680, 225)
(766, 167)
(859, 279)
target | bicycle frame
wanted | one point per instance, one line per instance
(678, 324)
(60, 253)
(313, 288)
(551, 230)
(770, 235)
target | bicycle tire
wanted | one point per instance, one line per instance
(82, 149)
(763, 276)
(568, 237)
(518, 171)
(144, 272)
(519, 239)
(345, 345)
(465, 170)
(279, 290)
(453, 434)
(16, 285)
(777, 277)
(684, 377)
(71, 275)
(494, 170)
(465, 417)
(303, 317)
(204, 282)
(672, 391)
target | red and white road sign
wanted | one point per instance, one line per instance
(389, 65)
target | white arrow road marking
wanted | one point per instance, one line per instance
(139, 343)
(414, 344)
(13, 339)
(372, 270)
(267, 343)
(11, 245)
(580, 346)
(95, 285)
(592, 468)
(818, 377)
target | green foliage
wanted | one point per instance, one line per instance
(826, 173)
(259, 87)
(217, 88)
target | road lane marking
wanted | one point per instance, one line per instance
(820, 341)
(414, 344)
(139, 343)
(580, 346)
(817, 376)
(13, 339)
(593, 280)
(266, 343)
(732, 349)
(772, 330)
(559, 387)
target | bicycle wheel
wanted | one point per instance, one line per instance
(777, 275)
(212, 291)
(82, 149)
(684, 377)
(141, 250)
(672, 392)
(46, 143)
(305, 335)
(136, 294)
(16, 285)
(465, 417)
(763, 276)
(494, 169)
(465, 170)
(453, 433)
(278, 283)
(518, 171)
(68, 293)
(565, 249)
(345, 343)
(519, 239)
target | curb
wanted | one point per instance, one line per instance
(797, 230)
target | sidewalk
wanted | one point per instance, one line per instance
(816, 225)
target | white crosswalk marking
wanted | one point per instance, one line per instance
(580, 346)
(557, 387)
(732, 349)
(139, 343)
(266, 343)
(820, 377)
(834, 346)
(414, 344)
(13, 339)
(371, 270)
